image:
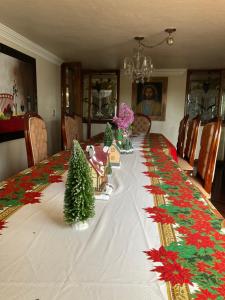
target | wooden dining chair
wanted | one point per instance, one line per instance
(141, 124)
(210, 140)
(71, 129)
(36, 138)
(181, 136)
(187, 163)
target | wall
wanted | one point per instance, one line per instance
(13, 153)
(174, 107)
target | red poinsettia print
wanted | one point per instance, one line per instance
(219, 237)
(220, 266)
(219, 255)
(183, 230)
(174, 273)
(198, 215)
(172, 182)
(2, 224)
(26, 185)
(55, 178)
(148, 164)
(203, 267)
(10, 188)
(180, 203)
(199, 241)
(203, 226)
(221, 290)
(155, 189)
(205, 295)
(31, 198)
(162, 255)
(151, 174)
(160, 215)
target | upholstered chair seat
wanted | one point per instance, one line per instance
(141, 124)
(71, 129)
(36, 139)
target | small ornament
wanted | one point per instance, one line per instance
(98, 161)
(114, 155)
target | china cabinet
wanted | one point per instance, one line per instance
(205, 94)
(71, 88)
(100, 96)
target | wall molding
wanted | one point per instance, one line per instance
(168, 72)
(20, 40)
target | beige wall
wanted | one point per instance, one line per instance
(13, 153)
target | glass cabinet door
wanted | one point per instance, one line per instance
(203, 94)
(103, 96)
(71, 88)
(100, 95)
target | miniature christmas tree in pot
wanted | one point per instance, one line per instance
(108, 135)
(79, 193)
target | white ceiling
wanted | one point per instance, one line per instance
(99, 33)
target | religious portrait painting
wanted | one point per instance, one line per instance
(149, 98)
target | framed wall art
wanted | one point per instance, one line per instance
(149, 98)
(18, 91)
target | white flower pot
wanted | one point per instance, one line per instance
(81, 226)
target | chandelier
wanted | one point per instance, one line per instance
(140, 67)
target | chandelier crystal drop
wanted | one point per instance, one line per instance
(139, 67)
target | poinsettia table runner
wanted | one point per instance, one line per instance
(156, 238)
(25, 188)
(191, 258)
(159, 142)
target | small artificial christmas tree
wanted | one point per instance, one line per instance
(79, 194)
(108, 135)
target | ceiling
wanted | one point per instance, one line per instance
(99, 33)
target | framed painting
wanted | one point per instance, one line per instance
(18, 91)
(149, 98)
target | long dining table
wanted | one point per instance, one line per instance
(157, 237)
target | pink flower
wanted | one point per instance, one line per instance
(125, 118)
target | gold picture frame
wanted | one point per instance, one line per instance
(149, 98)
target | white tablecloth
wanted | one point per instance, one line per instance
(43, 258)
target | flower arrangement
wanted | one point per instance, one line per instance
(125, 118)
(123, 121)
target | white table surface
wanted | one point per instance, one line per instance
(43, 258)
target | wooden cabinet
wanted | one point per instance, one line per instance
(205, 94)
(100, 94)
(71, 88)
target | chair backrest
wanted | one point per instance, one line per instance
(71, 129)
(208, 153)
(181, 136)
(141, 124)
(35, 138)
(191, 140)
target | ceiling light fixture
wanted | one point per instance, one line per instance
(140, 67)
